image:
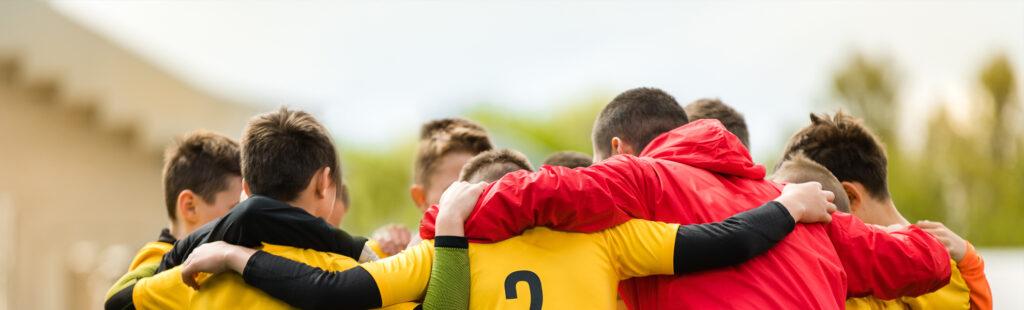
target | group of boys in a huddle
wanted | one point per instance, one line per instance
(671, 213)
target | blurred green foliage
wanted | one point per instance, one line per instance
(967, 174)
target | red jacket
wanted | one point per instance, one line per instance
(700, 173)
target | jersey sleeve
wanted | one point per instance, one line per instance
(640, 248)
(698, 247)
(449, 277)
(972, 268)
(908, 262)
(403, 277)
(164, 290)
(583, 200)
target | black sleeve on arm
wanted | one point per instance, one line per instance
(260, 219)
(306, 287)
(122, 300)
(733, 241)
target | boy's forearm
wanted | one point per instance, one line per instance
(733, 241)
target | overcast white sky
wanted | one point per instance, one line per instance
(375, 70)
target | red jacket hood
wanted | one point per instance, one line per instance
(705, 144)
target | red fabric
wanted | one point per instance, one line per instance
(701, 173)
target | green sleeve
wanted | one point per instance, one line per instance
(143, 271)
(449, 276)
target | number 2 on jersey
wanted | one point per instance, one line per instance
(532, 281)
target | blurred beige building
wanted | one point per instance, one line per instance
(82, 126)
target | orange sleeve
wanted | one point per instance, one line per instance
(972, 268)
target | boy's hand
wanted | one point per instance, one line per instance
(392, 238)
(956, 246)
(807, 203)
(457, 203)
(213, 258)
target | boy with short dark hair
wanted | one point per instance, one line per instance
(569, 159)
(202, 181)
(857, 158)
(290, 170)
(714, 108)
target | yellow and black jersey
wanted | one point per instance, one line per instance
(258, 221)
(540, 268)
(558, 270)
(153, 252)
(145, 262)
(227, 291)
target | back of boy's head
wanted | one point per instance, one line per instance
(569, 159)
(200, 161)
(446, 136)
(716, 109)
(282, 150)
(847, 148)
(491, 165)
(636, 116)
(799, 169)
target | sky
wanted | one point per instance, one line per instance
(374, 70)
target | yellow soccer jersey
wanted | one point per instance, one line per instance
(151, 253)
(955, 295)
(228, 290)
(541, 267)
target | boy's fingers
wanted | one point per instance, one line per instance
(830, 196)
(832, 208)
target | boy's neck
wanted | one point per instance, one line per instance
(887, 214)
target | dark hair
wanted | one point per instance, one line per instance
(708, 108)
(636, 116)
(200, 161)
(847, 148)
(799, 169)
(569, 159)
(282, 150)
(491, 165)
(445, 136)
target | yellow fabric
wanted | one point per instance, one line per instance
(955, 295)
(162, 291)
(576, 271)
(150, 253)
(375, 247)
(149, 257)
(228, 291)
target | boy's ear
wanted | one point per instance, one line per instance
(186, 206)
(620, 147)
(245, 189)
(419, 195)
(323, 182)
(855, 196)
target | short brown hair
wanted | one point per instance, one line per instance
(445, 136)
(714, 108)
(800, 169)
(200, 161)
(636, 116)
(282, 150)
(569, 159)
(847, 148)
(490, 166)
